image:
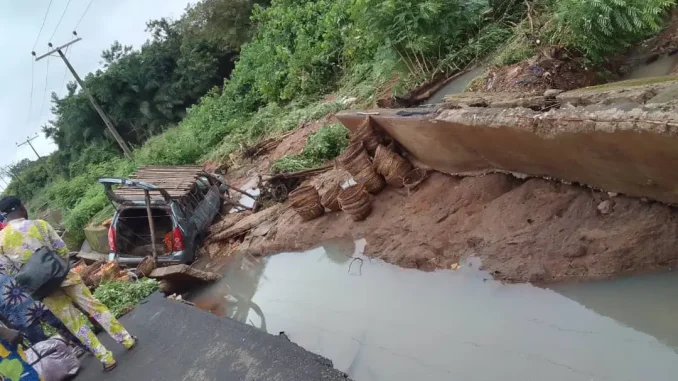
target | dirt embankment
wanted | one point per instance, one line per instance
(534, 230)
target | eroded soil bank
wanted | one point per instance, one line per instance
(534, 230)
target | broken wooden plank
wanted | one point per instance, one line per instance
(96, 257)
(246, 224)
(184, 274)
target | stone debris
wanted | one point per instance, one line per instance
(605, 207)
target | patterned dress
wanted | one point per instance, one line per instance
(20, 311)
(13, 365)
(18, 241)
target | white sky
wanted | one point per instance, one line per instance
(105, 22)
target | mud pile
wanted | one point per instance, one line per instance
(534, 230)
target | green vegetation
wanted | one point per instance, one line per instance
(121, 297)
(229, 73)
(597, 28)
(321, 146)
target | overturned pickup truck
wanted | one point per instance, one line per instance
(183, 203)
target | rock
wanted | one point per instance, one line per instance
(578, 252)
(552, 93)
(605, 207)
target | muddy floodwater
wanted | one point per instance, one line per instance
(376, 321)
(456, 86)
(660, 67)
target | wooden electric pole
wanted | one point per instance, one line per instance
(123, 145)
(28, 141)
(8, 170)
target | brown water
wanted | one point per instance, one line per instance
(456, 86)
(662, 66)
(376, 321)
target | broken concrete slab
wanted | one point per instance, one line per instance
(638, 91)
(495, 100)
(184, 274)
(625, 149)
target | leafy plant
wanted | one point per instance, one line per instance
(323, 145)
(600, 27)
(121, 297)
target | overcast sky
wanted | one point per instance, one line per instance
(104, 22)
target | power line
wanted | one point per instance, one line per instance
(109, 124)
(30, 103)
(68, 49)
(44, 96)
(60, 19)
(83, 15)
(43, 24)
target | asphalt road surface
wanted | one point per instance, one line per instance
(178, 342)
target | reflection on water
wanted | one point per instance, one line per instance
(391, 324)
(647, 303)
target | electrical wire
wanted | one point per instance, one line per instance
(83, 15)
(44, 20)
(68, 49)
(44, 97)
(63, 80)
(30, 103)
(60, 19)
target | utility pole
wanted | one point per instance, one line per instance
(8, 171)
(28, 141)
(123, 145)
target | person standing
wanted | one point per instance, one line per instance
(19, 311)
(23, 237)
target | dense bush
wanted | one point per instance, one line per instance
(600, 27)
(321, 146)
(296, 50)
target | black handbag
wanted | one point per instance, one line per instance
(43, 273)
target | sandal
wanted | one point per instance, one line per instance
(136, 341)
(109, 367)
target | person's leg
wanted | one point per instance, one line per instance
(62, 306)
(81, 295)
(50, 319)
